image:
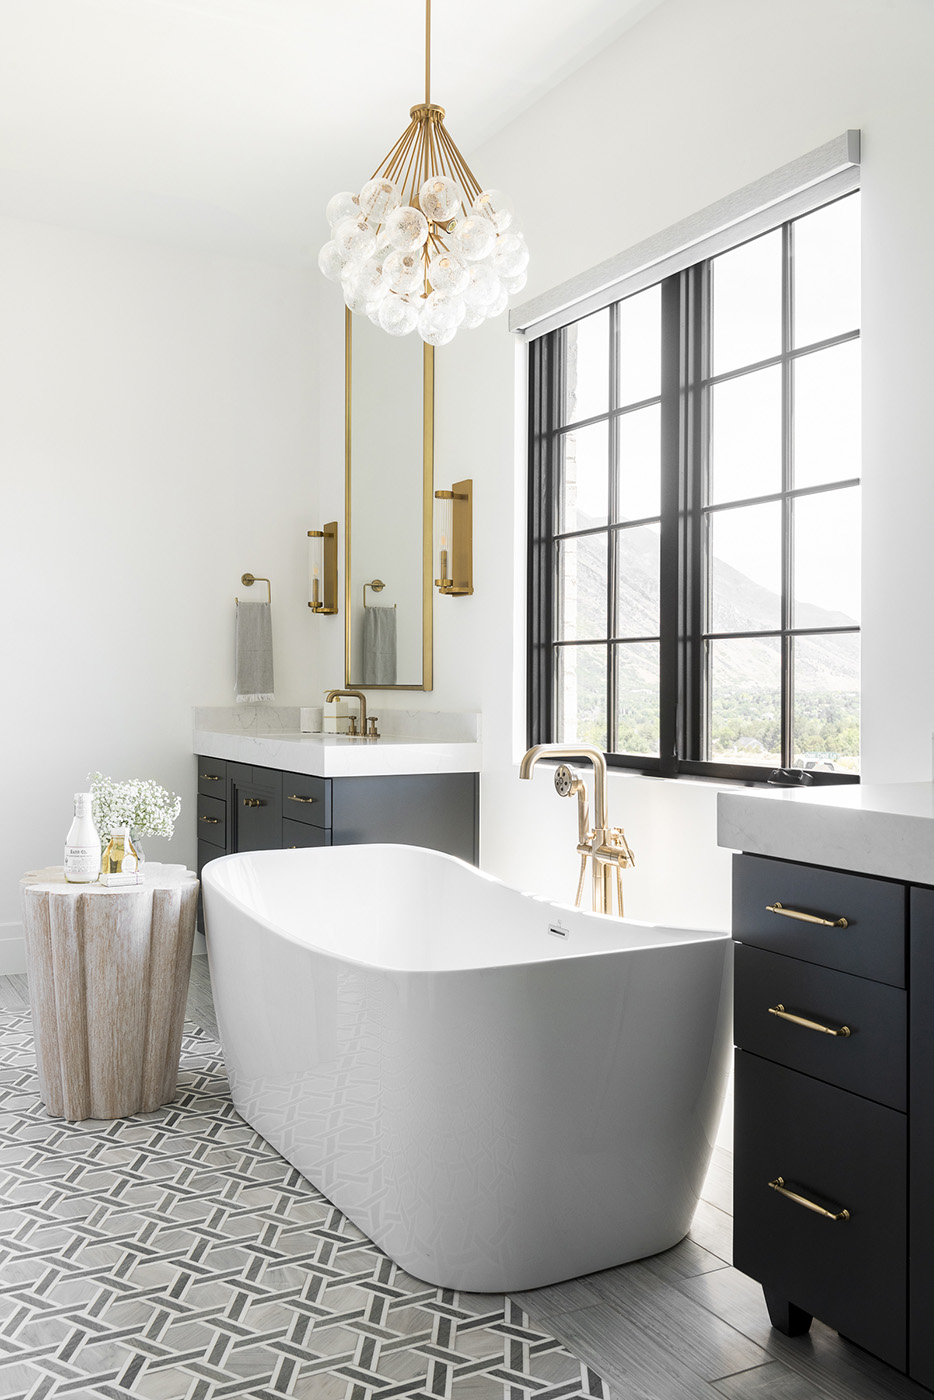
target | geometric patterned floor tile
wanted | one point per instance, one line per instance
(176, 1256)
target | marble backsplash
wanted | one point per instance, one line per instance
(430, 726)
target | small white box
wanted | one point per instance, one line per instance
(310, 719)
(335, 717)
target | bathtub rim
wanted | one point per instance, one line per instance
(683, 936)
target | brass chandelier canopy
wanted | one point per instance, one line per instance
(423, 246)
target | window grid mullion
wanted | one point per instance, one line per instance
(787, 542)
(670, 708)
(612, 553)
(696, 470)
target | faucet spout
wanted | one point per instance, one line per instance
(348, 695)
(588, 751)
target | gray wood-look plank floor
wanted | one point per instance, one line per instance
(683, 1325)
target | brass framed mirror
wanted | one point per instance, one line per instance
(389, 472)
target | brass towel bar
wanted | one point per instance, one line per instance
(377, 586)
(248, 581)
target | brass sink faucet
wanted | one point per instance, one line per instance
(348, 695)
(605, 846)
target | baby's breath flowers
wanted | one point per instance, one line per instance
(140, 804)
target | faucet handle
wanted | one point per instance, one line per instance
(618, 840)
(373, 732)
(352, 726)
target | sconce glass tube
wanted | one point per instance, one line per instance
(322, 569)
(444, 537)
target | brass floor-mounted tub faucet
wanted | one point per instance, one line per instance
(604, 845)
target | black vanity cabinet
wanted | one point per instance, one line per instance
(834, 1103)
(250, 808)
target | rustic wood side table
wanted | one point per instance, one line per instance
(108, 980)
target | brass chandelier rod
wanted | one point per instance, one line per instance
(427, 52)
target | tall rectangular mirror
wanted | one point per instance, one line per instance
(389, 476)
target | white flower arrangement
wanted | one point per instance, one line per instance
(140, 804)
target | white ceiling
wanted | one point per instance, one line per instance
(227, 124)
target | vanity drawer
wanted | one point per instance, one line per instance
(302, 835)
(842, 1152)
(870, 1061)
(871, 945)
(212, 777)
(306, 799)
(212, 820)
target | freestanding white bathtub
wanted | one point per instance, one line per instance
(501, 1092)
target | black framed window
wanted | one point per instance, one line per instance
(694, 514)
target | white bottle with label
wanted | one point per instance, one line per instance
(82, 844)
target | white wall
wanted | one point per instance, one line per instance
(157, 439)
(698, 100)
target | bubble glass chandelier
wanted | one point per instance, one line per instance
(423, 247)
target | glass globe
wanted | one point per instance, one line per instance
(496, 207)
(474, 237)
(355, 239)
(330, 261)
(498, 305)
(371, 279)
(510, 256)
(406, 228)
(378, 198)
(482, 285)
(404, 271)
(397, 316)
(342, 206)
(444, 307)
(383, 245)
(475, 316)
(448, 273)
(435, 332)
(515, 283)
(357, 298)
(439, 199)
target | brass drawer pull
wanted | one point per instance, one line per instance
(253, 802)
(294, 797)
(210, 777)
(779, 1010)
(805, 918)
(779, 1185)
(212, 821)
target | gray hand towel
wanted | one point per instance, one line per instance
(254, 653)
(379, 646)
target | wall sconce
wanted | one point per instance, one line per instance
(322, 569)
(454, 539)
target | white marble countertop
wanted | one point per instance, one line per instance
(252, 735)
(871, 828)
